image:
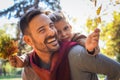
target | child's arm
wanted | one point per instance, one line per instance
(77, 37)
(90, 42)
(18, 61)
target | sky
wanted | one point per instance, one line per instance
(82, 9)
(4, 4)
(79, 9)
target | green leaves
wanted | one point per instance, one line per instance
(111, 35)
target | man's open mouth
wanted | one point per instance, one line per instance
(52, 40)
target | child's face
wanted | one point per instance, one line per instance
(64, 30)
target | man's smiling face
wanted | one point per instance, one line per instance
(43, 34)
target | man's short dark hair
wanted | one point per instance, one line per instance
(26, 18)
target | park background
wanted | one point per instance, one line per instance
(84, 15)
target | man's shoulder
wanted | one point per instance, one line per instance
(76, 53)
(77, 48)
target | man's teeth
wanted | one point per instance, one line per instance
(51, 40)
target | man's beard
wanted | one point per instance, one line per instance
(46, 42)
(42, 47)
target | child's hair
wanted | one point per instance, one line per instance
(56, 16)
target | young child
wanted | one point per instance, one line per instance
(64, 30)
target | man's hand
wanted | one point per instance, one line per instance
(16, 61)
(92, 40)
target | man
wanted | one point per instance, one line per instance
(50, 61)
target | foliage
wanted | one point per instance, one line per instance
(111, 35)
(110, 32)
(93, 23)
(21, 6)
(7, 46)
(10, 73)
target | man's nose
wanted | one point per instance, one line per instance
(51, 31)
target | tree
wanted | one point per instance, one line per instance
(110, 32)
(111, 36)
(21, 6)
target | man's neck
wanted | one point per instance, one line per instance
(45, 57)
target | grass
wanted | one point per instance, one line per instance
(10, 77)
(101, 77)
(18, 77)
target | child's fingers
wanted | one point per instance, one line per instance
(97, 30)
(12, 60)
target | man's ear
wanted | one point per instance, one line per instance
(27, 39)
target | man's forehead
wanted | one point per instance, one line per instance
(40, 17)
(40, 20)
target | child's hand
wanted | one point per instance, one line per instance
(16, 61)
(92, 40)
(79, 38)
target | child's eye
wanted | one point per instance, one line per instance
(66, 28)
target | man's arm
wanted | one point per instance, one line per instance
(86, 65)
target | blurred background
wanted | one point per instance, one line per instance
(84, 15)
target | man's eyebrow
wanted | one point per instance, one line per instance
(40, 28)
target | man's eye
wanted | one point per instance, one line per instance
(42, 30)
(52, 26)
